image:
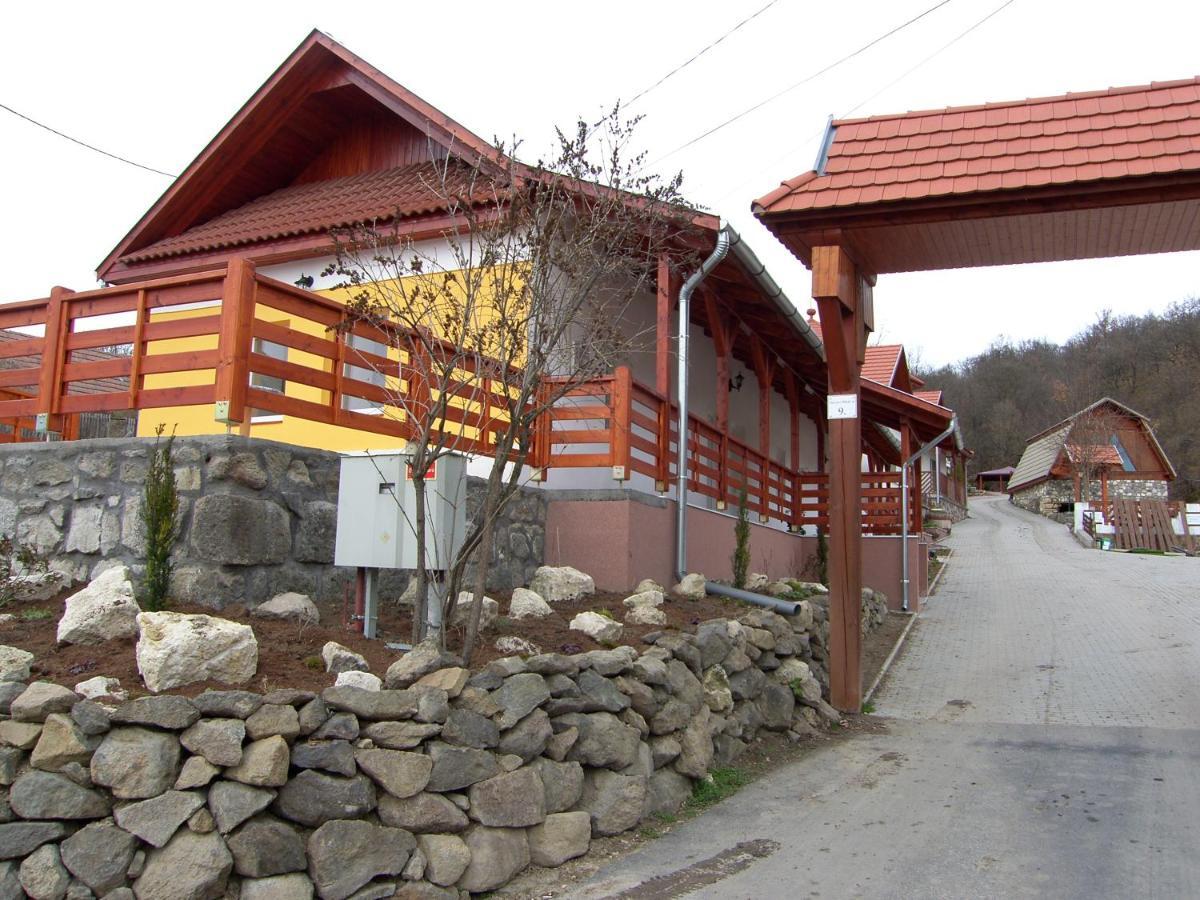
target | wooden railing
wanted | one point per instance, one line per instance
(614, 422)
(235, 314)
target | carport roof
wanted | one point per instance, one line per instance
(1104, 173)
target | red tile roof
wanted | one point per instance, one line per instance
(881, 362)
(1082, 137)
(313, 208)
(929, 396)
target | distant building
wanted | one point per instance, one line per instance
(1106, 451)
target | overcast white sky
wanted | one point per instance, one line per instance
(155, 81)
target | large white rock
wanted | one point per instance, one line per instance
(364, 680)
(527, 604)
(597, 627)
(289, 606)
(649, 584)
(462, 612)
(103, 610)
(643, 598)
(691, 587)
(14, 664)
(175, 649)
(645, 615)
(560, 583)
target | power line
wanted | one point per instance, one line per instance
(936, 53)
(73, 140)
(805, 80)
(696, 56)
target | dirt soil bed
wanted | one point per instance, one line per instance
(290, 654)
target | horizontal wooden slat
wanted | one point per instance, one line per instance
(297, 340)
(261, 364)
(19, 377)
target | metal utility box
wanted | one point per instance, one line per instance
(376, 525)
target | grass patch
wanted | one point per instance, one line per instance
(314, 662)
(666, 818)
(719, 784)
(648, 833)
(35, 615)
(868, 708)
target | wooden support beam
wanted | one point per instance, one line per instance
(54, 353)
(836, 282)
(662, 329)
(723, 332)
(233, 342)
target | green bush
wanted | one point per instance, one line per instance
(160, 518)
(741, 538)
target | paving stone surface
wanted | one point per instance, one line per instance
(1028, 627)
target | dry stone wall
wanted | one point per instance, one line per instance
(259, 517)
(441, 784)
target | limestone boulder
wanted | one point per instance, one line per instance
(691, 587)
(101, 686)
(556, 584)
(514, 645)
(340, 659)
(290, 607)
(37, 587)
(645, 615)
(466, 602)
(102, 611)
(362, 680)
(599, 628)
(61, 742)
(423, 659)
(14, 663)
(652, 597)
(293, 886)
(527, 604)
(175, 649)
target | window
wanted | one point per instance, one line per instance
(267, 382)
(370, 376)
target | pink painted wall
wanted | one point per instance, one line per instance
(621, 541)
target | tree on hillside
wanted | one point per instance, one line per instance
(1149, 362)
(525, 299)
(1090, 446)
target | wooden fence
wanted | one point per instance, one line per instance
(615, 422)
(332, 374)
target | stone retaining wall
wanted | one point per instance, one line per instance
(1046, 496)
(441, 784)
(259, 517)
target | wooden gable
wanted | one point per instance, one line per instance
(324, 114)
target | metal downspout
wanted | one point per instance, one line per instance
(904, 509)
(726, 238)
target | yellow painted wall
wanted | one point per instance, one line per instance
(198, 420)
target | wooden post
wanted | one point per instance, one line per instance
(836, 288)
(233, 342)
(662, 329)
(135, 362)
(622, 400)
(54, 357)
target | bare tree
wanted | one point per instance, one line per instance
(524, 300)
(1090, 445)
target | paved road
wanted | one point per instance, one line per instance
(1041, 739)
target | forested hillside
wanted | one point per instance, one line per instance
(1151, 363)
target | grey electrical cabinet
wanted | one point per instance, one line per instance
(376, 522)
